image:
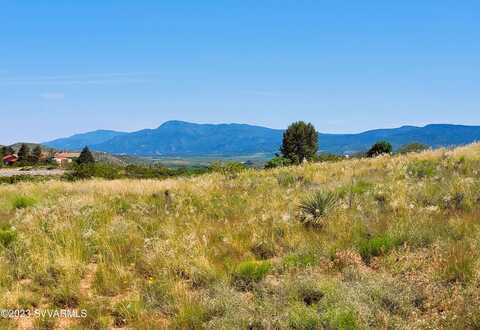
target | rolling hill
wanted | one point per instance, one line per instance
(178, 138)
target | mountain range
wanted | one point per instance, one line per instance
(179, 138)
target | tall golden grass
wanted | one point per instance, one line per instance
(397, 249)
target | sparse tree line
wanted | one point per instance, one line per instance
(25, 156)
(300, 144)
(37, 156)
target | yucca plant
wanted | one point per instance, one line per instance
(315, 206)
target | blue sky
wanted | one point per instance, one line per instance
(345, 66)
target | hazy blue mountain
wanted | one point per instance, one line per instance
(78, 141)
(178, 138)
(435, 135)
(182, 138)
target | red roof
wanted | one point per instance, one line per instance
(9, 158)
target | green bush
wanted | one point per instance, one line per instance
(316, 206)
(308, 292)
(147, 172)
(7, 237)
(248, 273)
(300, 260)
(21, 202)
(278, 161)
(377, 246)
(90, 170)
(412, 147)
(340, 318)
(302, 317)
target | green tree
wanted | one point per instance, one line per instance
(379, 148)
(24, 154)
(86, 157)
(277, 161)
(36, 154)
(7, 151)
(300, 141)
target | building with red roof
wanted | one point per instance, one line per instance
(10, 159)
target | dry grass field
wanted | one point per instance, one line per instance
(384, 243)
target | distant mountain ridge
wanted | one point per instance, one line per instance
(179, 138)
(78, 141)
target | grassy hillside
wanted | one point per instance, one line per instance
(391, 243)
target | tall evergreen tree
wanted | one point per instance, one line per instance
(86, 157)
(24, 154)
(7, 151)
(36, 154)
(300, 141)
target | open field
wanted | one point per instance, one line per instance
(395, 247)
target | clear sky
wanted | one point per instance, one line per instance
(346, 66)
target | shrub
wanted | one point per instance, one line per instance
(377, 246)
(412, 147)
(278, 161)
(316, 206)
(7, 237)
(65, 297)
(147, 172)
(300, 260)
(248, 273)
(379, 148)
(263, 249)
(340, 318)
(21, 202)
(89, 170)
(302, 317)
(309, 293)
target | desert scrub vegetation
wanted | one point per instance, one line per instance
(385, 242)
